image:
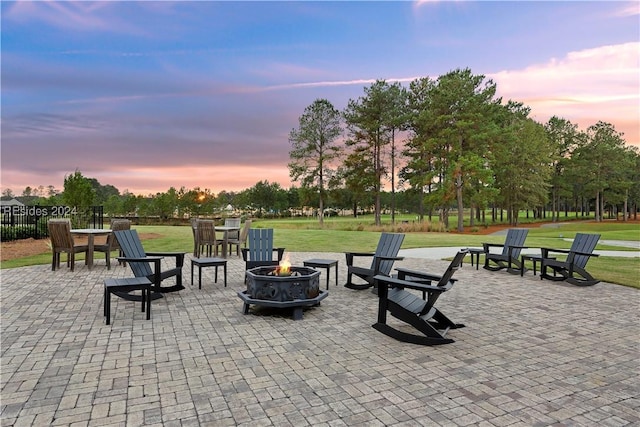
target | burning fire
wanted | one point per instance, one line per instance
(284, 269)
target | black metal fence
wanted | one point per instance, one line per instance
(23, 222)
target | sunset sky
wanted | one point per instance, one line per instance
(151, 95)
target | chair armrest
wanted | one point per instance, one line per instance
(378, 259)
(487, 246)
(545, 251)
(397, 283)
(145, 259)
(172, 254)
(245, 253)
(351, 255)
(389, 258)
(179, 256)
(403, 273)
(585, 253)
(155, 260)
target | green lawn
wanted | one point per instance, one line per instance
(340, 235)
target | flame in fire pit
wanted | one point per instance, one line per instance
(284, 269)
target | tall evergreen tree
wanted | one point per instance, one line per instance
(314, 148)
(521, 161)
(600, 159)
(453, 124)
(418, 150)
(563, 138)
(372, 121)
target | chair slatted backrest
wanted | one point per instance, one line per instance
(454, 266)
(388, 246)
(584, 243)
(232, 222)
(60, 233)
(515, 237)
(245, 232)
(117, 225)
(260, 244)
(445, 281)
(206, 232)
(131, 246)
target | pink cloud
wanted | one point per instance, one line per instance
(228, 177)
(585, 87)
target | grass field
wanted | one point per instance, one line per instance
(350, 234)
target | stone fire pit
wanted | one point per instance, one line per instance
(298, 289)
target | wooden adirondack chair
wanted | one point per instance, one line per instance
(141, 261)
(260, 251)
(382, 261)
(571, 269)
(509, 258)
(410, 308)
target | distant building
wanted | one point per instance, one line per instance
(10, 201)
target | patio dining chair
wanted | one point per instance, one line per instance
(62, 242)
(241, 241)
(206, 242)
(112, 243)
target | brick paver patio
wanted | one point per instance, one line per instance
(534, 353)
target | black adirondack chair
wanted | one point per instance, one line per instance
(382, 261)
(260, 251)
(141, 261)
(414, 310)
(571, 269)
(509, 258)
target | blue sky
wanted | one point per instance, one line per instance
(150, 95)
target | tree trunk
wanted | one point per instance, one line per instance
(393, 176)
(321, 194)
(460, 204)
(378, 173)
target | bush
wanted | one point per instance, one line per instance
(16, 233)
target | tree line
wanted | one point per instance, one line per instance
(435, 147)
(455, 146)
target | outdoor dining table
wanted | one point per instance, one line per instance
(90, 233)
(226, 229)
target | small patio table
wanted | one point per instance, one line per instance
(534, 259)
(323, 263)
(475, 252)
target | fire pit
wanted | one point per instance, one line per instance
(283, 287)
